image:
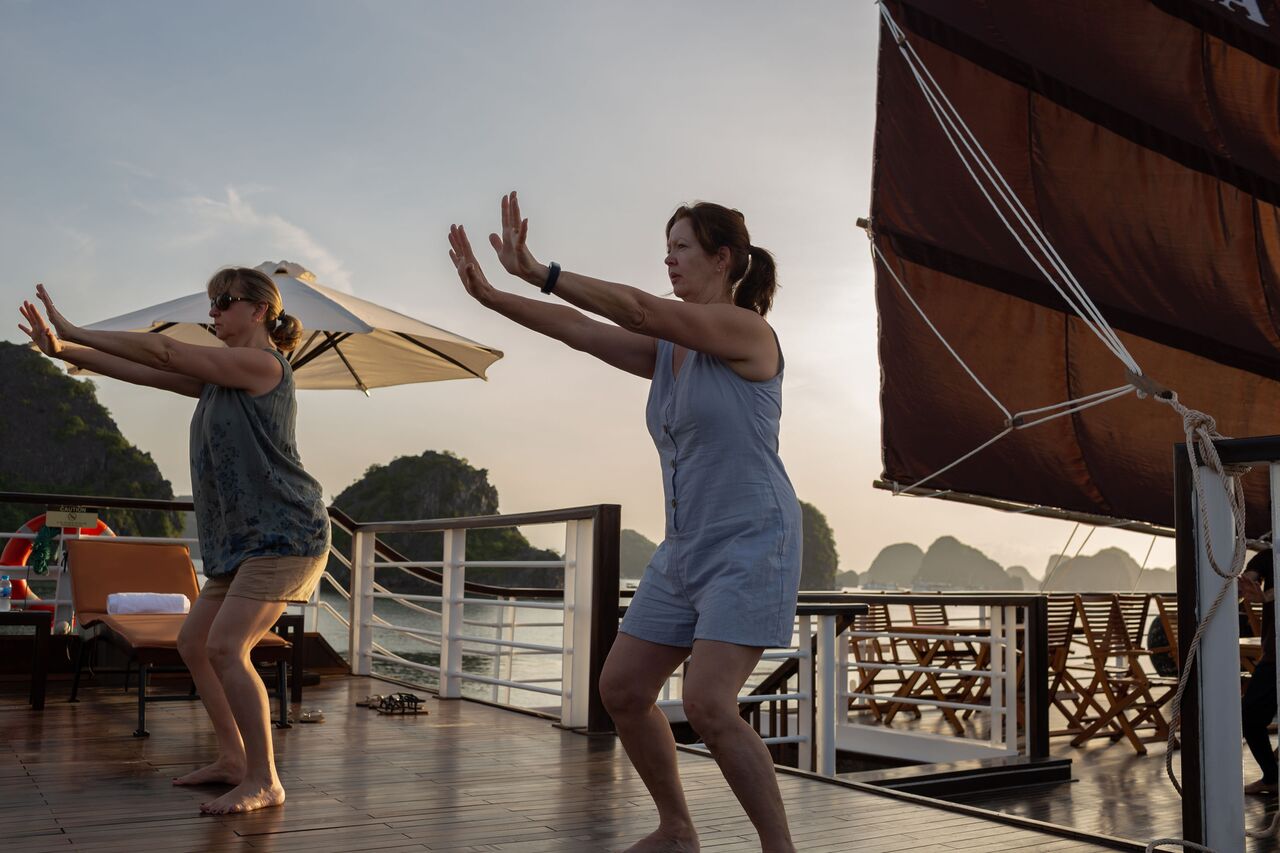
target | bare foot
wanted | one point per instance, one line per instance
(218, 773)
(661, 841)
(246, 797)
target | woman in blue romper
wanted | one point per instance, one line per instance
(721, 587)
(264, 530)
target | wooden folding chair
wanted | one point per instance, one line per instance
(882, 653)
(1119, 683)
(99, 567)
(943, 646)
(1066, 692)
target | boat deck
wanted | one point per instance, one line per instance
(465, 778)
(1117, 792)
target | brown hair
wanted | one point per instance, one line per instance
(285, 329)
(751, 269)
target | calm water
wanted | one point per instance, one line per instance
(477, 658)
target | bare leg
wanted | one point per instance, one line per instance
(235, 631)
(717, 672)
(633, 675)
(228, 767)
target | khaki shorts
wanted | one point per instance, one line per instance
(291, 579)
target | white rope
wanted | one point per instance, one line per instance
(1080, 406)
(875, 250)
(1137, 580)
(1123, 389)
(1061, 554)
(968, 455)
(1186, 845)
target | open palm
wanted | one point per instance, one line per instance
(38, 330)
(512, 246)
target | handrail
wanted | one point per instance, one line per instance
(95, 501)
(382, 549)
(473, 522)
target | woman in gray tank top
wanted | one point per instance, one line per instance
(722, 585)
(263, 527)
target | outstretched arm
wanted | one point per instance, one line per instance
(635, 353)
(231, 367)
(100, 362)
(726, 331)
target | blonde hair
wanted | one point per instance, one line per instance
(285, 329)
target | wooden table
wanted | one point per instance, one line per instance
(42, 621)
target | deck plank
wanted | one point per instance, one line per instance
(466, 778)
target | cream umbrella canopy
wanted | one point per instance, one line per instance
(347, 342)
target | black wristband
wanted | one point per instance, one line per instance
(553, 273)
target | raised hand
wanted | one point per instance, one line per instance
(464, 261)
(65, 328)
(513, 251)
(39, 332)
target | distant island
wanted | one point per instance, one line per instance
(950, 564)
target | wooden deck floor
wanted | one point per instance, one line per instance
(467, 778)
(1117, 792)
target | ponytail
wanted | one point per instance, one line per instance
(755, 290)
(286, 332)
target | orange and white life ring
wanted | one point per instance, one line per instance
(17, 551)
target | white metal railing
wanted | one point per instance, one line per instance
(481, 644)
(968, 670)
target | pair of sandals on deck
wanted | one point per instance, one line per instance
(396, 703)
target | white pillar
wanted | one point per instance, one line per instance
(360, 612)
(575, 667)
(804, 708)
(828, 697)
(1218, 662)
(451, 627)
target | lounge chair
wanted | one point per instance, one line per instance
(99, 567)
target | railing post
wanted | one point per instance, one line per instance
(828, 697)
(606, 545)
(590, 616)
(1010, 646)
(360, 613)
(451, 609)
(311, 610)
(1035, 673)
(805, 707)
(999, 674)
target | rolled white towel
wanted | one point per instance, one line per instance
(147, 602)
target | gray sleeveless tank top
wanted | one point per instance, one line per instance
(252, 496)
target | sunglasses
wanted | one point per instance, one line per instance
(223, 301)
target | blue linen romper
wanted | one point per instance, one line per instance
(729, 567)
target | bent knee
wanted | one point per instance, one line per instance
(191, 644)
(622, 697)
(222, 653)
(710, 715)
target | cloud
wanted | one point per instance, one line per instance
(293, 242)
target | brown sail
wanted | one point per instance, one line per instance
(1143, 137)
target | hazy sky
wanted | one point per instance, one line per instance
(144, 145)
